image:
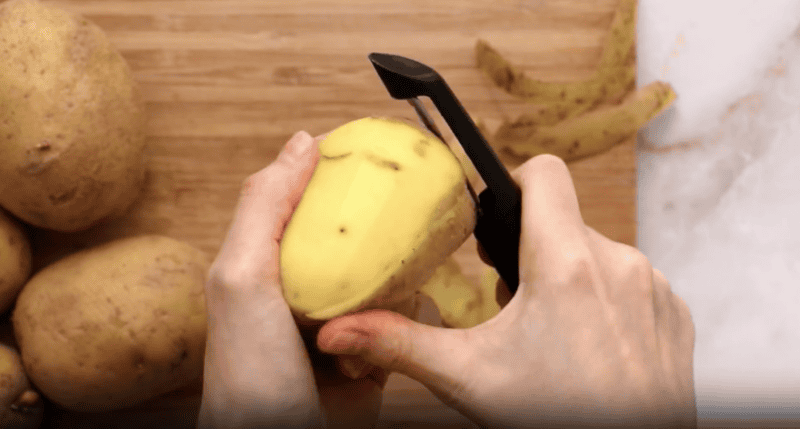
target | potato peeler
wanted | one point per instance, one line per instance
(500, 204)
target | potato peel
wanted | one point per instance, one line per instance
(588, 134)
(615, 76)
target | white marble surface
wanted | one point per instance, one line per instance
(719, 192)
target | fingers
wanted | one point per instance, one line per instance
(433, 356)
(265, 206)
(270, 195)
(553, 234)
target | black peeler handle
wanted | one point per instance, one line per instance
(500, 204)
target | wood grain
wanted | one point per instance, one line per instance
(227, 82)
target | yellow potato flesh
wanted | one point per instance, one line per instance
(461, 303)
(381, 191)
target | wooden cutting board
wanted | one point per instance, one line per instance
(227, 82)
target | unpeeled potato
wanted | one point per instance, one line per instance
(15, 260)
(20, 405)
(385, 206)
(115, 325)
(71, 120)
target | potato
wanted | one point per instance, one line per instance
(385, 206)
(20, 406)
(71, 120)
(15, 260)
(461, 303)
(115, 325)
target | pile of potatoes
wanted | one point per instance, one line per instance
(107, 327)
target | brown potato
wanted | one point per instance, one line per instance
(20, 406)
(71, 120)
(15, 260)
(127, 318)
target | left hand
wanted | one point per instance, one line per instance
(261, 370)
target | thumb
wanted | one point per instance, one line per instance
(433, 356)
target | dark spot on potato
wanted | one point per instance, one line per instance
(63, 197)
(344, 286)
(419, 147)
(575, 146)
(342, 229)
(563, 94)
(403, 261)
(138, 359)
(333, 158)
(548, 142)
(184, 354)
(296, 295)
(382, 162)
(9, 136)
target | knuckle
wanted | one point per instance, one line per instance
(262, 180)
(578, 268)
(250, 183)
(224, 277)
(636, 270)
(684, 314)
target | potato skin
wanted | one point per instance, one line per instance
(20, 406)
(72, 121)
(128, 319)
(15, 260)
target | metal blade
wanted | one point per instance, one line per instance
(428, 123)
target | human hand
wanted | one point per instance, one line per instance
(592, 337)
(259, 371)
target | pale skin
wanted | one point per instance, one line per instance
(594, 335)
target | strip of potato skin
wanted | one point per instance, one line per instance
(453, 222)
(589, 134)
(615, 75)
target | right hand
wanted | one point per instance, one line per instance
(593, 336)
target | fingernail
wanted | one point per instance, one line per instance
(300, 143)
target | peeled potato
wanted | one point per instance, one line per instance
(15, 260)
(385, 206)
(71, 120)
(461, 303)
(115, 325)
